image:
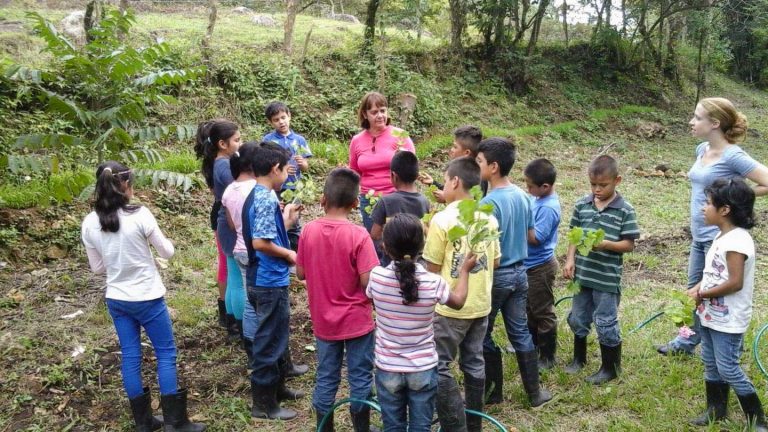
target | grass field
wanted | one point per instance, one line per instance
(44, 387)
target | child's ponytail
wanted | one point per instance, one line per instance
(112, 181)
(209, 133)
(403, 241)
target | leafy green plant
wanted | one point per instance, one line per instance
(401, 136)
(433, 204)
(373, 198)
(474, 222)
(585, 241)
(680, 310)
(104, 90)
(306, 191)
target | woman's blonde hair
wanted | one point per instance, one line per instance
(732, 123)
(370, 100)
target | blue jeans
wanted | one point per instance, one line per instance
(129, 317)
(330, 354)
(600, 307)
(270, 339)
(407, 399)
(696, 262)
(720, 353)
(249, 313)
(510, 296)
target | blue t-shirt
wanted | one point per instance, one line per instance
(546, 216)
(222, 177)
(266, 221)
(294, 143)
(512, 209)
(734, 162)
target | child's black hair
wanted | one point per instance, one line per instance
(541, 171)
(502, 151)
(469, 136)
(342, 188)
(404, 240)
(268, 155)
(112, 178)
(275, 108)
(738, 196)
(604, 165)
(242, 160)
(406, 165)
(209, 133)
(466, 169)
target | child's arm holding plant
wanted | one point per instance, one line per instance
(621, 246)
(302, 162)
(291, 214)
(266, 246)
(458, 296)
(735, 262)
(569, 269)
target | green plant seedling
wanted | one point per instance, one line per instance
(473, 222)
(373, 198)
(306, 192)
(401, 136)
(585, 240)
(680, 312)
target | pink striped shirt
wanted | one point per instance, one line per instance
(405, 340)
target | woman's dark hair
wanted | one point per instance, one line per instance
(404, 240)
(112, 179)
(209, 133)
(738, 196)
(242, 160)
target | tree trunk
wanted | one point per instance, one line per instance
(458, 9)
(94, 12)
(291, 9)
(623, 18)
(700, 69)
(206, 42)
(538, 18)
(370, 27)
(565, 21)
(123, 6)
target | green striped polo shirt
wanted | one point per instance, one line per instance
(601, 270)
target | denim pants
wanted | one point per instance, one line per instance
(600, 307)
(249, 313)
(330, 354)
(129, 317)
(696, 262)
(510, 296)
(462, 337)
(720, 353)
(270, 338)
(407, 399)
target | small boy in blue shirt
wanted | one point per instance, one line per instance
(599, 273)
(512, 209)
(267, 281)
(541, 264)
(279, 117)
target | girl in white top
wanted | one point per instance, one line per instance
(724, 300)
(116, 236)
(405, 294)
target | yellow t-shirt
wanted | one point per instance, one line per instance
(438, 250)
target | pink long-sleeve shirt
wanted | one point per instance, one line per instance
(370, 157)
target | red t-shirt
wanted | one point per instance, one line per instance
(334, 254)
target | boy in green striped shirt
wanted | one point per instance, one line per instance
(599, 273)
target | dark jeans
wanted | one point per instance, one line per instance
(129, 318)
(510, 296)
(270, 338)
(541, 298)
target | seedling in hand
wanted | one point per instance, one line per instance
(585, 241)
(473, 222)
(306, 191)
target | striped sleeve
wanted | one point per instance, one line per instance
(629, 228)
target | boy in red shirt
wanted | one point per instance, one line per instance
(336, 257)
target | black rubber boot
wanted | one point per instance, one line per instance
(494, 378)
(610, 367)
(579, 355)
(222, 313)
(248, 348)
(232, 334)
(529, 373)
(474, 393)
(361, 420)
(717, 403)
(328, 426)
(285, 394)
(450, 407)
(265, 405)
(533, 330)
(293, 370)
(175, 413)
(547, 349)
(141, 407)
(753, 409)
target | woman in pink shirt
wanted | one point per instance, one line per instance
(371, 151)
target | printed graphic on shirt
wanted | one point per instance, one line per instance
(718, 310)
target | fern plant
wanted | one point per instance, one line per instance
(105, 90)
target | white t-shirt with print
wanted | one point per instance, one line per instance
(730, 313)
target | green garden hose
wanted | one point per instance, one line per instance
(756, 346)
(562, 299)
(646, 322)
